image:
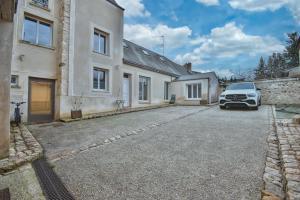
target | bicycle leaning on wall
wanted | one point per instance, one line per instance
(17, 115)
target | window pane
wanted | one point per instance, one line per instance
(43, 3)
(189, 91)
(199, 91)
(14, 80)
(140, 88)
(166, 91)
(102, 80)
(195, 91)
(146, 89)
(102, 44)
(96, 42)
(30, 26)
(95, 79)
(45, 34)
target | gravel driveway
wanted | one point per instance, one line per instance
(194, 153)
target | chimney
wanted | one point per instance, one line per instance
(188, 67)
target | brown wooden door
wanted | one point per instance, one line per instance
(41, 100)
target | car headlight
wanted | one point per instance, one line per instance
(251, 95)
(222, 95)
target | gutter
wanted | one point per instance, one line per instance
(191, 79)
(115, 4)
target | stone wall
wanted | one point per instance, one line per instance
(280, 91)
(6, 41)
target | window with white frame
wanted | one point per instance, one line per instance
(100, 79)
(36, 31)
(14, 81)
(144, 88)
(194, 91)
(166, 90)
(41, 3)
(101, 42)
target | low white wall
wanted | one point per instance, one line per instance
(90, 105)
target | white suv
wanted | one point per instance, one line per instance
(241, 94)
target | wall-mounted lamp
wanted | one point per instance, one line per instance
(21, 57)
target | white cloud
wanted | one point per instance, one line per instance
(209, 2)
(150, 37)
(262, 5)
(257, 5)
(228, 42)
(134, 8)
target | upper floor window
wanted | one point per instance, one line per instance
(37, 32)
(100, 79)
(41, 3)
(194, 91)
(101, 42)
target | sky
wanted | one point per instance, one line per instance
(225, 36)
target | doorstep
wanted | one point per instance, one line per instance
(112, 113)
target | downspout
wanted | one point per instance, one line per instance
(71, 47)
(208, 93)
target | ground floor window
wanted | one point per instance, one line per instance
(194, 91)
(144, 88)
(14, 81)
(166, 90)
(100, 79)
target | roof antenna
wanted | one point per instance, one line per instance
(163, 44)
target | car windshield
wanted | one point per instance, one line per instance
(241, 86)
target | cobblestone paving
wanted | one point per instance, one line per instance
(282, 171)
(289, 138)
(23, 149)
(173, 153)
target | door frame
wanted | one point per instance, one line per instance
(129, 87)
(41, 118)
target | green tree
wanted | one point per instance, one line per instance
(260, 70)
(269, 68)
(292, 52)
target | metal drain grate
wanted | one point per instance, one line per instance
(51, 184)
(4, 194)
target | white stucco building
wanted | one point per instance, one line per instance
(70, 51)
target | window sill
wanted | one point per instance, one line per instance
(37, 45)
(39, 6)
(15, 87)
(144, 102)
(196, 99)
(102, 91)
(103, 54)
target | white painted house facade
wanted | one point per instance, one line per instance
(68, 51)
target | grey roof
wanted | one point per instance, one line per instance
(115, 3)
(197, 76)
(139, 56)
